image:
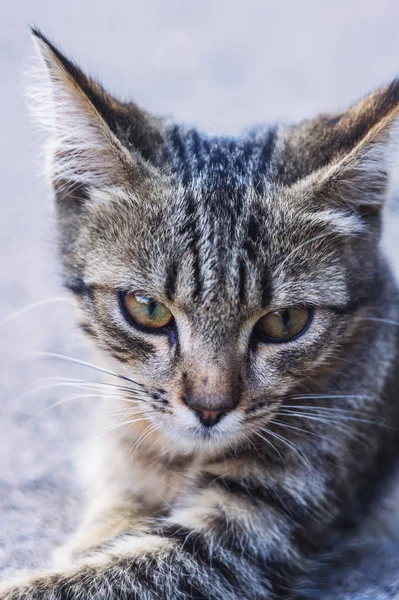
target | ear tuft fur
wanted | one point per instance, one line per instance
(349, 156)
(82, 150)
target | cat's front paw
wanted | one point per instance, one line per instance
(49, 585)
(99, 578)
(31, 587)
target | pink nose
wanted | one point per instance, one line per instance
(210, 417)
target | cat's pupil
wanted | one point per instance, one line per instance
(285, 318)
(151, 308)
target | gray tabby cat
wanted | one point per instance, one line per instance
(237, 292)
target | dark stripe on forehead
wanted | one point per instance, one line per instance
(252, 237)
(180, 156)
(267, 150)
(242, 280)
(220, 164)
(224, 160)
(191, 230)
(265, 288)
(170, 283)
(242, 158)
(199, 151)
(264, 162)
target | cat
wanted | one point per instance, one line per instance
(244, 316)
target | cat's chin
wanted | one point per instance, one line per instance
(207, 444)
(201, 439)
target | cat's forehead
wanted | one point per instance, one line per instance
(226, 224)
(219, 240)
(218, 161)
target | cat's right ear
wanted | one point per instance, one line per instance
(85, 127)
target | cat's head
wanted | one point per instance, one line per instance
(222, 275)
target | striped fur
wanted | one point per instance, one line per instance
(222, 231)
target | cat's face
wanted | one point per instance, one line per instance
(213, 317)
(221, 276)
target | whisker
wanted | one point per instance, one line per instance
(339, 425)
(98, 383)
(332, 396)
(146, 433)
(337, 417)
(290, 445)
(122, 424)
(270, 444)
(70, 398)
(328, 409)
(80, 384)
(379, 320)
(22, 311)
(84, 364)
(247, 439)
(299, 429)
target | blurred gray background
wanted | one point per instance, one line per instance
(222, 65)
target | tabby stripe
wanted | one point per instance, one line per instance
(77, 286)
(170, 283)
(266, 288)
(227, 560)
(197, 149)
(257, 492)
(181, 150)
(264, 161)
(194, 245)
(242, 279)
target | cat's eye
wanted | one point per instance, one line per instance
(145, 311)
(285, 324)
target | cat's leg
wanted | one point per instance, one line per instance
(229, 538)
(123, 494)
(101, 524)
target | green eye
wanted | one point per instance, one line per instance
(146, 311)
(285, 324)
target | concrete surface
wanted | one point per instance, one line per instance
(222, 65)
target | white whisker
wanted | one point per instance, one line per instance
(146, 433)
(83, 363)
(22, 311)
(299, 429)
(333, 396)
(132, 394)
(270, 444)
(379, 320)
(333, 417)
(290, 445)
(121, 424)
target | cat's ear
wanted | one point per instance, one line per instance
(85, 125)
(352, 152)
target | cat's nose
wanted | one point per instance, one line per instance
(209, 416)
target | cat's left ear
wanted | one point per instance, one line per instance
(351, 153)
(94, 140)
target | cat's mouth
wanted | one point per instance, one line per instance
(208, 432)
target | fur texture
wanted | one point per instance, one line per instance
(222, 231)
